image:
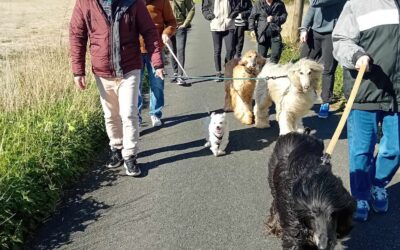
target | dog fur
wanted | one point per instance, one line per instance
(310, 209)
(239, 93)
(218, 134)
(293, 95)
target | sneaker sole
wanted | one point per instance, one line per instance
(132, 174)
(116, 165)
(379, 211)
(322, 117)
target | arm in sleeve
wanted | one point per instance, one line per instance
(169, 20)
(281, 17)
(208, 13)
(253, 17)
(148, 30)
(78, 37)
(308, 19)
(323, 3)
(345, 38)
(190, 7)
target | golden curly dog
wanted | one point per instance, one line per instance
(239, 93)
(293, 95)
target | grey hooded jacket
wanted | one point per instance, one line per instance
(370, 29)
(322, 15)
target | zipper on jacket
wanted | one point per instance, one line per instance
(110, 25)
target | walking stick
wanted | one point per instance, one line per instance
(329, 150)
(176, 59)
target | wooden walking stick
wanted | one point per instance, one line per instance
(329, 150)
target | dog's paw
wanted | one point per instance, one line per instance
(220, 152)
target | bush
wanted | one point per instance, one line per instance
(49, 131)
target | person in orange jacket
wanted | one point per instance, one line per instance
(163, 17)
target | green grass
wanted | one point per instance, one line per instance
(48, 133)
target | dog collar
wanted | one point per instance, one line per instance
(218, 137)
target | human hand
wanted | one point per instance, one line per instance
(253, 34)
(269, 19)
(303, 36)
(80, 82)
(363, 60)
(165, 38)
(160, 73)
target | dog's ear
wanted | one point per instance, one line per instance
(223, 115)
(261, 60)
(212, 114)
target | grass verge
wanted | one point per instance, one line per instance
(48, 132)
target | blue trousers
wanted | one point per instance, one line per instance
(365, 168)
(156, 89)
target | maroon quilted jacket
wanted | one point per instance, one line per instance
(114, 47)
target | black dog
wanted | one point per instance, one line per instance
(310, 209)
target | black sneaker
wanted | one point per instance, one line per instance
(116, 159)
(131, 167)
(182, 82)
(218, 77)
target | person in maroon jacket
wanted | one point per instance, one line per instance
(113, 28)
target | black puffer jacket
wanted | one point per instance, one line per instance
(207, 8)
(258, 19)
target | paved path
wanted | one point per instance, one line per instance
(187, 198)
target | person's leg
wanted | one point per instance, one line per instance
(235, 40)
(240, 41)
(217, 42)
(174, 49)
(128, 92)
(276, 48)
(109, 102)
(312, 48)
(330, 64)
(262, 49)
(229, 39)
(181, 37)
(387, 160)
(362, 127)
(156, 95)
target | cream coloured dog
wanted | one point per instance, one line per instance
(293, 91)
(218, 134)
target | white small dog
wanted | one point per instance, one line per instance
(218, 134)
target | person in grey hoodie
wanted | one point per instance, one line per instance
(316, 36)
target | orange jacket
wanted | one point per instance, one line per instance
(163, 17)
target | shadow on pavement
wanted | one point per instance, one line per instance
(381, 230)
(172, 121)
(76, 211)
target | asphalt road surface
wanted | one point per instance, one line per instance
(187, 198)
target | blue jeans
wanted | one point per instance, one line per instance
(365, 168)
(156, 89)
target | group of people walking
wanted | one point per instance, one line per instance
(127, 36)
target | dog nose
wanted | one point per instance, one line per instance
(321, 241)
(218, 127)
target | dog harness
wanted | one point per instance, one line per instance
(219, 139)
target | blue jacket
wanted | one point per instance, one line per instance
(322, 15)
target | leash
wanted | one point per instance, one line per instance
(211, 78)
(331, 146)
(176, 59)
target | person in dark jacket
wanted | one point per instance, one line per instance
(241, 25)
(316, 36)
(369, 34)
(221, 14)
(115, 26)
(265, 22)
(184, 11)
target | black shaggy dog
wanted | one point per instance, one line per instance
(310, 209)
